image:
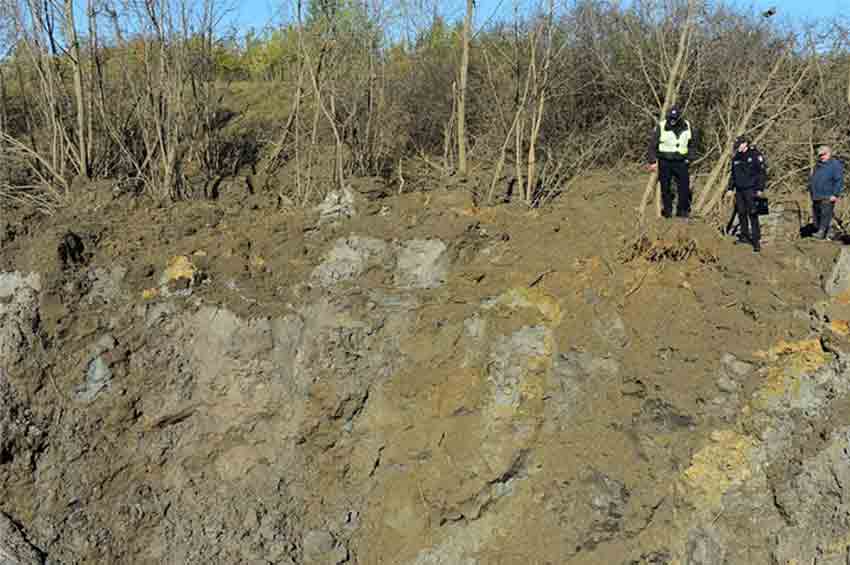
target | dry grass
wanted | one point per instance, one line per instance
(678, 248)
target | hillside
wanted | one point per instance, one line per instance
(411, 379)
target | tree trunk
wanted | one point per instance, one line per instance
(94, 72)
(461, 103)
(77, 66)
(541, 82)
(3, 111)
(712, 191)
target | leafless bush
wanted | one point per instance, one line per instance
(134, 90)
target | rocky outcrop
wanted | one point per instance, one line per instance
(395, 409)
(19, 317)
(742, 499)
(349, 258)
(837, 284)
(413, 264)
(14, 548)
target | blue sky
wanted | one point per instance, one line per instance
(257, 13)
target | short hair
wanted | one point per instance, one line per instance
(823, 149)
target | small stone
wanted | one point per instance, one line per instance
(251, 522)
(741, 368)
(725, 384)
(819, 311)
(179, 277)
(150, 293)
(337, 205)
(104, 344)
(98, 377)
(317, 544)
(734, 367)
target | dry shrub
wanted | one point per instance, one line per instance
(678, 248)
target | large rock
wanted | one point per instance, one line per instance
(14, 549)
(421, 263)
(837, 285)
(413, 264)
(815, 501)
(348, 259)
(18, 315)
(98, 378)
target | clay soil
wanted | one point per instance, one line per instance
(662, 307)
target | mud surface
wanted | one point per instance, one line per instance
(415, 380)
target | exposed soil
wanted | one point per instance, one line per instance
(424, 382)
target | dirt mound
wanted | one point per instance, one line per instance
(413, 379)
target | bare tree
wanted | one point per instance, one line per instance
(461, 92)
(763, 100)
(82, 151)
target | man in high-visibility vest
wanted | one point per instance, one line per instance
(669, 150)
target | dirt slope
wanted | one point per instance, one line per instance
(411, 379)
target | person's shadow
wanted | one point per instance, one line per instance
(840, 234)
(808, 230)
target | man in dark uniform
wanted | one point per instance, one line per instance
(747, 179)
(669, 150)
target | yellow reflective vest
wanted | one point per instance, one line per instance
(671, 144)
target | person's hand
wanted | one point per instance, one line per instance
(759, 193)
(833, 199)
(653, 167)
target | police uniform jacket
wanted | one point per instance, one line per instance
(748, 171)
(680, 129)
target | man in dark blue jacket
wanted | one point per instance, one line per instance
(826, 186)
(747, 180)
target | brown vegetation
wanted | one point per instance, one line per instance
(157, 98)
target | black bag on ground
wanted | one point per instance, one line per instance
(761, 206)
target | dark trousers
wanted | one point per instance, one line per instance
(746, 209)
(822, 211)
(667, 171)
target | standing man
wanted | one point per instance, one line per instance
(826, 185)
(747, 179)
(669, 149)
